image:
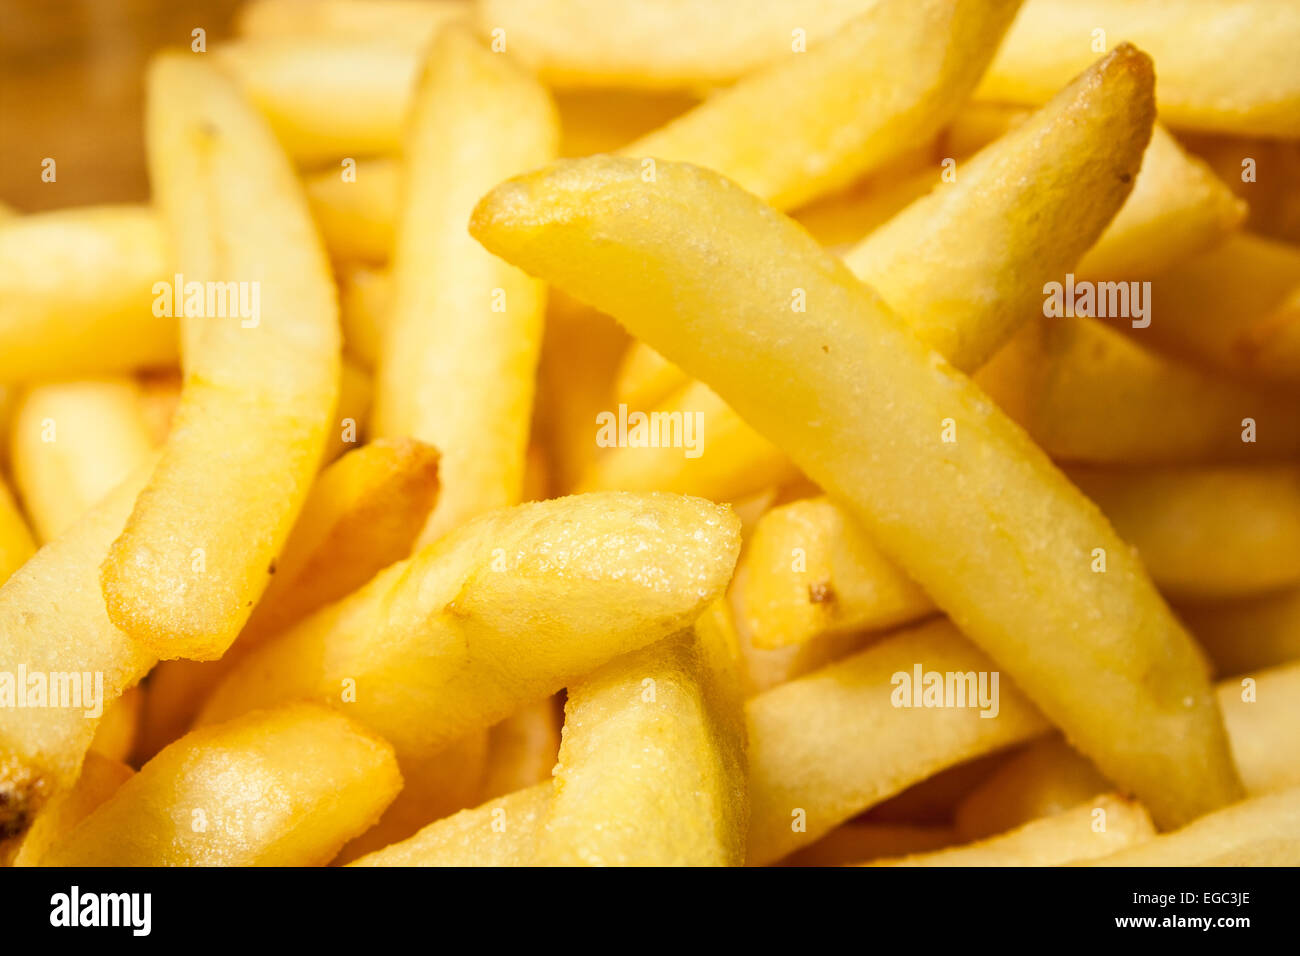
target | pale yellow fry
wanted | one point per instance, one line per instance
(1240, 636)
(645, 378)
(77, 293)
(355, 208)
(523, 748)
(116, 734)
(1264, 831)
(415, 20)
(1262, 712)
(807, 125)
(285, 787)
(100, 777)
(1098, 827)
(184, 575)
(1224, 65)
(501, 832)
(74, 442)
(660, 43)
(860, 405)
(53, 621)
(1090, 394)
(809, 768)
(365, 299)
(16, 542)
(1206, 533)
(506, 609)
(459, 350)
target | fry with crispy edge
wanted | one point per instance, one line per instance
(1225, 66)
(652, 764)
(283, 787)
(459, 350)
(1264, 831)
(100, 777)
(71, 443)
(1098, 827)
(76, 293)
(183, 576)
(1024, 193)
(891, 77)
(508, 608)
(860, 405)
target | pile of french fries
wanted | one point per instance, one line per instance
(640, 432)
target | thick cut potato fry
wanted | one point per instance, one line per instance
(284, 787)
(1039, 196)
(651, 769)
(416, 20)
(76, 294)
(459, 349)
(356, 215)
(645, 378)
(655, 44)
(1274, 200)
(1225, 66)
(365, 297)
(501, 832)
(1090, 394)
(1022, 197)
(1241, 636)
(1264, 831)
(1234, 308)
(53, 622)
(116, 734)
(807, 125)
(522, 749)
(861, 406)
(183, 576)
(72, 443)
(605, 120)
(1262, 718)
(1098, 827)
(16, 542)
(856, 842)
(506, 609)
(808, 768)
(810, 570)
(1206, 533)
(100, 777)
(362, 514)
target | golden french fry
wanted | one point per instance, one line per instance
(657, 44)
(355, 208)
(53, 622)
(501, 832)
(183, 576)
(888, 79)
(804, 782)
(1261, 712)
(645, 378)
(77, 292)
(1240, 636)
(1106, 824)
(160, 393)
(522, 749)
(1264, 831)
(74, 442)
(652, 767)
(506, 609)
(1090, 394)
(365, 297)
(1126, 685)
(117, 731)
(414, 19)
(284, 787)
(1208, 532)
(100, 777)
(351, 412)
(1237, 161)
(1224, 66)
(855, 842)
(464, 324)
(604, 120)
(16, 542)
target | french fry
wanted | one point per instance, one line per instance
(417, 20)
(1261, 713)
(645, 378)
(100, 777)
(362, 514)
(160, 393)
(1244, 635)
(355, 208)
(72, 443)
(501, 832)
(1264, 831)
(1090, 394)
(652, 44)
(651, 769)
(1260, 170)
(957, 517)
(460, 347)
(77, 294)
(802, 784)
(16, 543)
(506, 609)
(855, 842)
(116, 734)
(604, 120)
(1206, 533)
(365, 297)
(1234, 308)
(183, 577)
(53, 621)
(1096, 828)
(1224, 66)
(522, 749)
(349, 424)
(285, 787)
(804, 126)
